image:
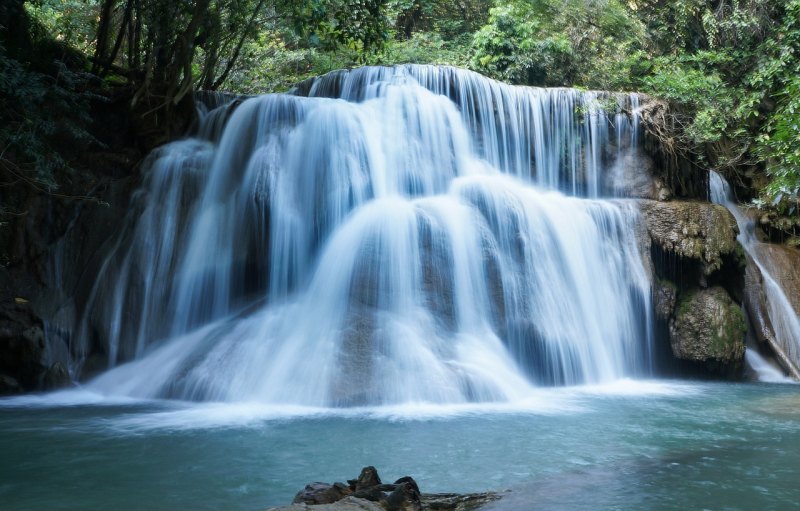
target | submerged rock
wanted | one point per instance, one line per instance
(709, 328)
(699, 231)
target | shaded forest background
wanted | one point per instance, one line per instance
(82, 77)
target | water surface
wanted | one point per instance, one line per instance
(628, 445)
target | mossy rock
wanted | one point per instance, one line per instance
(698, 231)
(709, 327)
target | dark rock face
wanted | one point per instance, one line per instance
(368, 493)
(9, 385)
(709, 327)
(35, 297)
(664, 298)
(57, 377)
(21, 350)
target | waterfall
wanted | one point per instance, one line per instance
(380, 235)
(782, 316)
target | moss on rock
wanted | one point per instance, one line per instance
(693, 230)
(709, 327)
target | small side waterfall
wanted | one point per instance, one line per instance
(784, 320)
(382, 235)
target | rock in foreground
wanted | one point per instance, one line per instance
(368, 493)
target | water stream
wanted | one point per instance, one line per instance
(782, 316)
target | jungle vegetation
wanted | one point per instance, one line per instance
(727, 71)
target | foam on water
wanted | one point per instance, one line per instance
(136, 416)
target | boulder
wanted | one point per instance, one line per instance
(698, 231)
(709, 328)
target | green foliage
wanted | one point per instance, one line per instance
(718, 65)
(708, 103)
(273, 63)
(44, 119)
(728, 68)
(779, 141)
(426, 48)
(445, 19)
(359, 25)
(73, 22)
(592, 43)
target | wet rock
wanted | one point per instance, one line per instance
(404, 497)
(457, 501)
(637, 177)
(346, 504)
(699, 231)
(322, 493)
(410, 481)
(664, 298)
(367, 479)
(783, 263)
(56, 377)
(709, 327)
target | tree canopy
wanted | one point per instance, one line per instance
(728, 68)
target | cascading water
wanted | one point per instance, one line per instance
(783, 318)
(382, 235)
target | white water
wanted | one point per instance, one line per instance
(782, 316)
(402, 241)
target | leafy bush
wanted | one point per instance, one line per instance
(591, 43)
(43, 120)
